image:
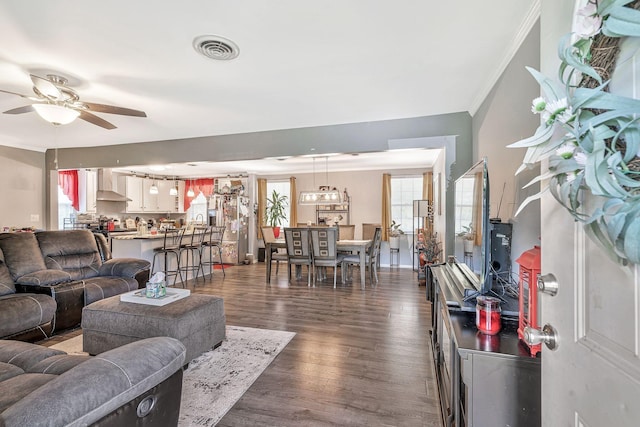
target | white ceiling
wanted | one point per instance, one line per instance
(321, 165)
(301, 63)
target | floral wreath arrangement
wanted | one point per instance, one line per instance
(591, 137)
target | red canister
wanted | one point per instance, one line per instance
(488, 314)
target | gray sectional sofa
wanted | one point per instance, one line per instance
(69, 267)
(138, 384)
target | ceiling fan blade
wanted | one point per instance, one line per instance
(46, 87)
(111, 109)
(92, 118)
(20, 110)
(20, 95)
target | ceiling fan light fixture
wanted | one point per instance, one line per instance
(56, 114)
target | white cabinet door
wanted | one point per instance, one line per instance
(150, 200)
(91, 187)
(134, 192)
(166, 202)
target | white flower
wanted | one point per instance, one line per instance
(566, 151)
(588, 23)
(565, 115)
(538, 105)
(580, 158)
(571, 176)
(556, 110)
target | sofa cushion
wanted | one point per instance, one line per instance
(6, 282)
(7, 370)
(25, 355)
(58, 364)
(21, 253)
(97, 288)
(45, 278)
(24, 312)
(16, 388)
(74, 251)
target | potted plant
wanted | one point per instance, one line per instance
(468, 236)
(394, 235)
(275, 211)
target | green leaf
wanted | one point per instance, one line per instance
(542, 134)
(594, 98)
(573, 56)
(601, 239)
(622, 21)
(605, 6)
(632, 241)
(550, 88)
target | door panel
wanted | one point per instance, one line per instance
(593, 377)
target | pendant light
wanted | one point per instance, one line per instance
(320, 197)
(173, 191)
(154, 188)
(190, 192)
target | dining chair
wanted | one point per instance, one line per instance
(368, 231)
(325, 254)
(370, 261)
(299, 249)
(346, 232)
(275, 255)
(170, 247)
(213, 241)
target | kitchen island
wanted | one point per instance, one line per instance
(142, 247)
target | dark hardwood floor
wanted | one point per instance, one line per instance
(359, 357)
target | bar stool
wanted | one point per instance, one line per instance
(192, 246)
(213, 240)
(170, 246)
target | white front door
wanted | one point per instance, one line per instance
(593, 377)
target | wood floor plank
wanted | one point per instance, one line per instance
(359, 357)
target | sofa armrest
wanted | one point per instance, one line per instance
(69, 298)
(124, 267)
(124, 373)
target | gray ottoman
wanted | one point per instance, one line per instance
(198, 321)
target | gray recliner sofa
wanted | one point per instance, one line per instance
(138, 384)
(70, 267)
(26, 316)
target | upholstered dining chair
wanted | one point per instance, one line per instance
(275, 255)
(346, 232)
(325, 254)
(370, 261)
(368, 231)
(299, 249)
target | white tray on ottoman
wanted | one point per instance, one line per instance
(139, 296)
(197, 320)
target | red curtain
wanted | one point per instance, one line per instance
(202, 185)
(68, 181)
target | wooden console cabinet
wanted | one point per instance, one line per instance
(483, 380)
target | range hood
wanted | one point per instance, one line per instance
(105, 188)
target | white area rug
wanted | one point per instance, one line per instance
(215, 381)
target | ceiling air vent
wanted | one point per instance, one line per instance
(216, 47)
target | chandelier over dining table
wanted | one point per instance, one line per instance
(322, 196)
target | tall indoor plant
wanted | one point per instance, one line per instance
(275, 211)
(394, 235)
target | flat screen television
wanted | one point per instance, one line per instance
(473, 239)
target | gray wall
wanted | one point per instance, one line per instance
(354, 137)
(503, 118)
(22, 173)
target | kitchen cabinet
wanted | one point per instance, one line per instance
(91, 182)
(137, 189)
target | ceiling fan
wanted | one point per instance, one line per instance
(59, 104)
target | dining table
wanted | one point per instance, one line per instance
(359, 246)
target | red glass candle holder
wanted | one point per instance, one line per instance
(488, 315)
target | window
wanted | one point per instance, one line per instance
(404, 190)
(65, 210)
(198, 209)
(284, 189)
